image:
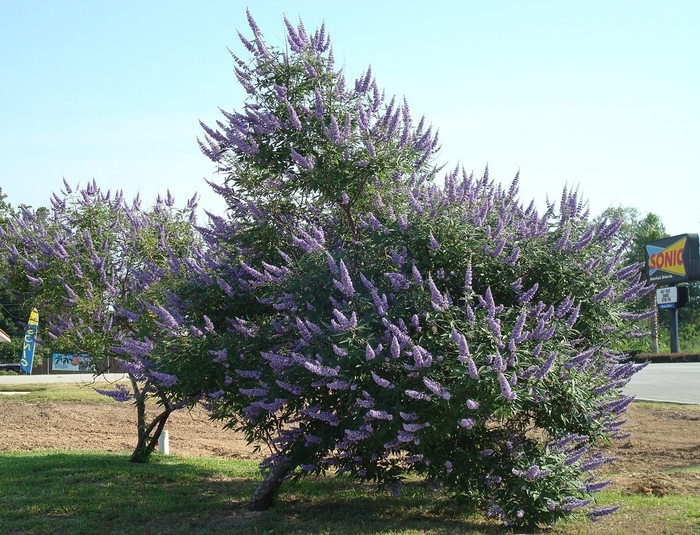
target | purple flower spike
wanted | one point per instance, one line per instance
(394, 349)
(461, 344)
(402, 222)
(305, 163)
(339, 351)
(379, 415)
(439, 301)
(345, 283)
(369, 353)
(318, 369)
(119, 393)
(506, 391)
(527, 296)
(417, 395)
(381, 382)
(603, 511)
(572, 503)
(547, 366)
(473, 370)
(164, 379)
(434, 245)
(294, 119)
(436, 388)
(417, 277)
(343, 323)
(534, 472)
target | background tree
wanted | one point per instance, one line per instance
(86, 265)
(14, 311)
(637, 232)
(648, 229)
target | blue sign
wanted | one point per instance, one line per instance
(71, 363)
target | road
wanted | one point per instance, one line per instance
(675, 383)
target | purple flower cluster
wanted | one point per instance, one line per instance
(534, 472)
(118, 393)
(341, 322)
(436, 388)
(163, 379)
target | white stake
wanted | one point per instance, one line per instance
(164, 443)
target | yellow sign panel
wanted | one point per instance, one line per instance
(669, 259)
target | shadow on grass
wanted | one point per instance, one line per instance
(85, 493)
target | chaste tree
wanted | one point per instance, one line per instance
(96, 268)
(358, 318)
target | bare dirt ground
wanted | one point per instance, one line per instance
(662, 455)
(655, 459)
(110, 427)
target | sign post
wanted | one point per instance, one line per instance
(668, 262)
(668, 298)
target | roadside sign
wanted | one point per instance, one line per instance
(673, 260)
(666, 296)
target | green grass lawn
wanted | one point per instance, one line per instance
(59, 392)
(86, 493)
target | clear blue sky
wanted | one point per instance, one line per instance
(602, 95)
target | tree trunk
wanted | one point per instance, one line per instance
(654, 323)
(146, 443)
(263, 496)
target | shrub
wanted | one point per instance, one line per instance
(360, 319)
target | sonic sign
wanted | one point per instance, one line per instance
(673, 260)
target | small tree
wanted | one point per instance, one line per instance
(86, 266)
(357, 318)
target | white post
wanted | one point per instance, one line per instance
(164, 443)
